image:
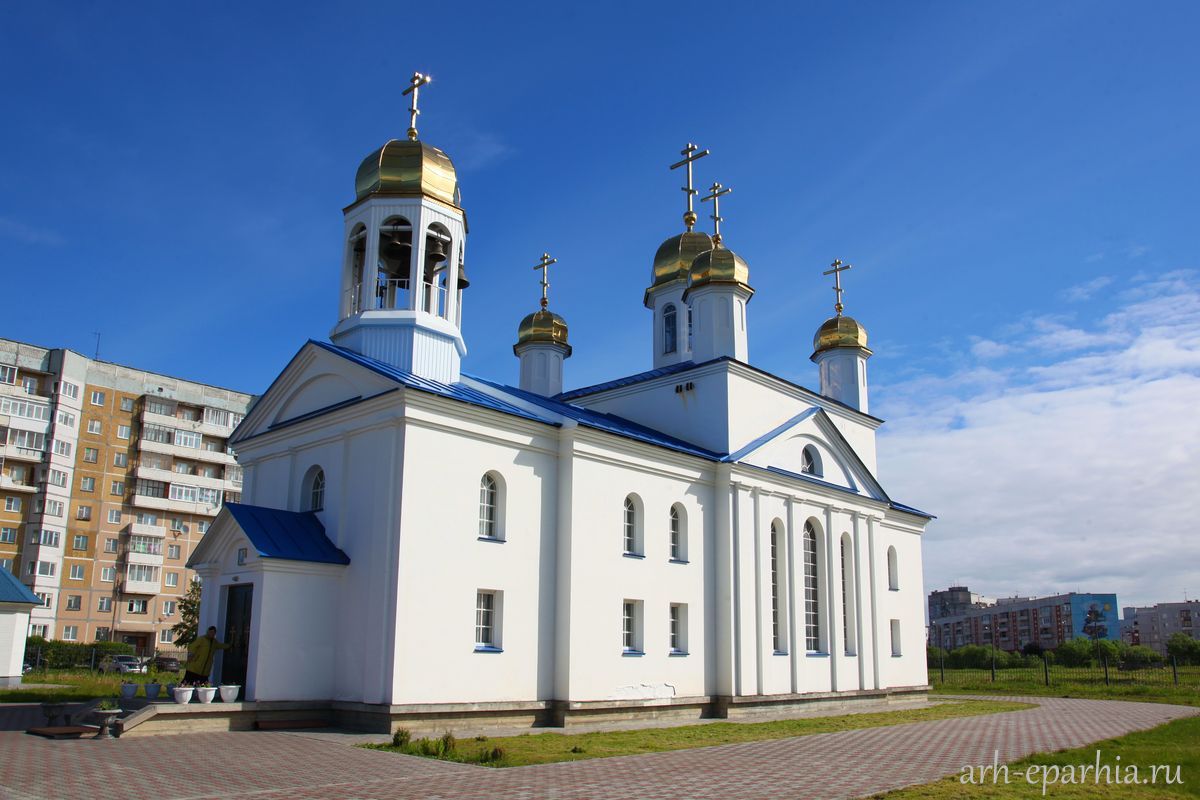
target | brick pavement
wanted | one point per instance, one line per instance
(279, 766)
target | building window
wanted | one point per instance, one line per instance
(632, 526)
(8, 535)
(171, 579)
(848, 596)
(77, 572)
(105, 604)
(45, 599)
(812, 624)
(114, 516)
(166, 636)
(38, 630)
(103, 634)
(70, 633)
(677, 524)
(79, 542)
(95, 426)
(895, 637)
(66, 418)
(57, 477)
(87, 484)
(91, 455)
(117, 488)
(491, 498)
(110, 545)
(173, 551)
(83, 513)
(6, 564)
(12, 503)
(168, 608)
(893, 570)
(97, 398)
(127, 405)
(108, 574)
(138, 605)
(69, 389)
(8, 374)
(810, 461)
(487, 620)
(678, 628)
(778, 640)
(74, 602)
(120, 459)
(45, 537)
(631, 627)
(47, 569)
(159, 407)
(670, 329)
(122, 431)
(314, 489)
(31, 385)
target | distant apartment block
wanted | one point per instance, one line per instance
(1154, 625)
(109, 476)
(1015, 622)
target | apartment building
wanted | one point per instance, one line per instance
(109, 476)
(1014, 622)
(1153, 626)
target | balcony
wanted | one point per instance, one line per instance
(188, 453)
(9, 485)
(199, 426)
(11, 451)
(142, 587)
(149, 559)
(170, 476)
(393, 295)
(143, 529)
(167, 504)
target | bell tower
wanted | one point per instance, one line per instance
(402, 267)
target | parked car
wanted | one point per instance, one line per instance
(165, 664)
(26, 668)
(121, 664)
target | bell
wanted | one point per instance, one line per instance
(462, 276)
(396, 249)
(435, 252)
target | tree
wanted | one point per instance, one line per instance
(1183, 648)
(189, 616)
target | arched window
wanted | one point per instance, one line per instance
(678, 530)
(670, 329)
(778, 641)
(893, 572)
(632, 527)
(848, 596)
(488, 507)
(313, 489)
(812, 622)
(810, 461)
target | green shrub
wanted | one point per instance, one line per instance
(401, 738)
(448, 744)
(55, 654)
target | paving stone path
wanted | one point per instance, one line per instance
(279, 766)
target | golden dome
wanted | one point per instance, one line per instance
(839, 331)
(675, 256)
(408, 168)
(543, 326)
(719, 265)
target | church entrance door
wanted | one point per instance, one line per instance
(237, 635)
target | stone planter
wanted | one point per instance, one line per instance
(183, 694)
(128, 691)
(106, 719)
(152, 690)
(53, 711)
(229, 692)
(205, 694)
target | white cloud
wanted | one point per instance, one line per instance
(987, 348)
(1079, 472)
(12, 229)
(1085, 290)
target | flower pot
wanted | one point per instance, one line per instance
(106, 719)
(183, 694)
(170, 689)
(152, 690)
(229, 692)
(128, 690)
(205, 694)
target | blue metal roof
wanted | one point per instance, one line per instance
(629, 380)
(13, 591)
(454, 391)
(290, 535)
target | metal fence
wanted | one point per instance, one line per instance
(1042, 671)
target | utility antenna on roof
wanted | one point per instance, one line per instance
(97, 335)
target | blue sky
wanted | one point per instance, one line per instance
(1011, 181)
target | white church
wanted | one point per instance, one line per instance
(421, 545)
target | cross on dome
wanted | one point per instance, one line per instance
(414, 88)
(691, 153)
(715, 193)
(544, 266)
(836, 270)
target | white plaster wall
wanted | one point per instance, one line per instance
(443, 564)
(296, 619)
(14, 624)
(905, 604)
(602, 578)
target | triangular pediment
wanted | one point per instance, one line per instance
(315, 380)
(829, 458)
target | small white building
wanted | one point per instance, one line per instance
(417, 543)
(16, 601)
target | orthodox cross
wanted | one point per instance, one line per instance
(414, 88)
(714, 193)
(836, 270)
(544, 266)
(690, 154)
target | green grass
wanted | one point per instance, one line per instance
(78, 685)
(1180, 695)
(515, 751)
(1176, 743)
